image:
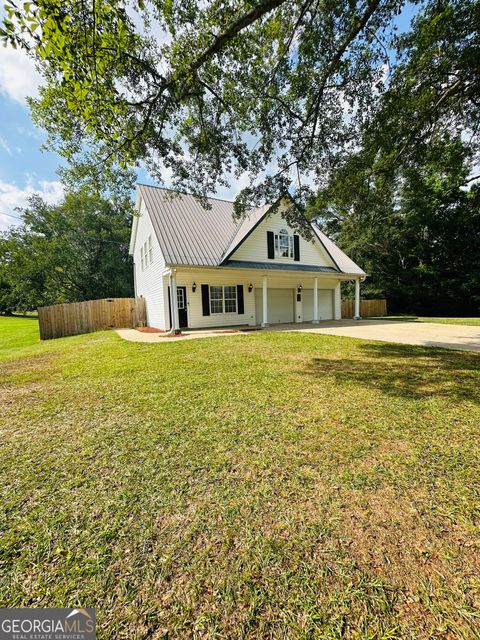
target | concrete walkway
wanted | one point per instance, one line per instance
(427, 334)
(132, 335)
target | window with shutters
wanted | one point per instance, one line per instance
(141, 258)
(230, 298)
(223, 299)
(283, 244)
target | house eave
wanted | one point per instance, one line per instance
(136, 216)
(280, 267)
(259, 267)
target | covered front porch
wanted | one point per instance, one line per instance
(229, 297)
(313, 300)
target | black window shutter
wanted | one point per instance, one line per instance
(270, 247)
(205, 300)
(240, 305)
(296, 248)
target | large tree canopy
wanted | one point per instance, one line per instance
(413, 229)
(76, 250)
(274, 89)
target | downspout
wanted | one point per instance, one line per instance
(174, 328)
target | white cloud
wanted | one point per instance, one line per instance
(18, 76)
(12, 196)
(5, 147)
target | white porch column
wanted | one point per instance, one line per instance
(315, 301)
(173, 303)
(337, 301)
(265, 302)
(357, 300)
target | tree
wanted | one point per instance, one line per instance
(405, 204)
(77, 250)
(415, 229)
(278, 86)
(434, 89)
(202, 89)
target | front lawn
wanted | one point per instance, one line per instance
(276, 485)
(472, 322)
(17, 332)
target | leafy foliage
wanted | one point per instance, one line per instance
(384, 125)
(274, 90)
(77, 250)
(434, 90)
(406, 204)
(415, 230)
(204, 89)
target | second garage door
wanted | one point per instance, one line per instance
(325, 304)
(280, 305)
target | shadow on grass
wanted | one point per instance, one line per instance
(406, 371)
(26, 316)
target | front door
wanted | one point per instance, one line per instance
(182, 306)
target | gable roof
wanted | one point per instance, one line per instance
(343, 262)
(188, 234)
(245, 228)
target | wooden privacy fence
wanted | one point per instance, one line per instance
(62, 320)
(368, 308)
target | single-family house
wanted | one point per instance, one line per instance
(199, 267)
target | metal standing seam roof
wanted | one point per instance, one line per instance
(245, 228)
(343, 262)
(188, 234)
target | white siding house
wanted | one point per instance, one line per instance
(149, 268)
(200, 268)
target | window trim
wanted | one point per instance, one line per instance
(181, 294)
(145, 254)
(277, 246)
(223, 299)
(141, 258)
(150, 249)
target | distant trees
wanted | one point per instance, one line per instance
(76, 250)
(374, 131)
(405, 202)
(415, 229)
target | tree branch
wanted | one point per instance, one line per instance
(349, 38)
(234, 29)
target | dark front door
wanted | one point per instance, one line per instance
(182, 306)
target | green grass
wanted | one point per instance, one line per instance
(267, 486)
(17, 333)
(472, 322)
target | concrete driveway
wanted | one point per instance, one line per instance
(428, 334)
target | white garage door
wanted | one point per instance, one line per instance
(325, 304)
(280, 305)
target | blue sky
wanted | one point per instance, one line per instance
(24, 168)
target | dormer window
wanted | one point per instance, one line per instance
(283, 244)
